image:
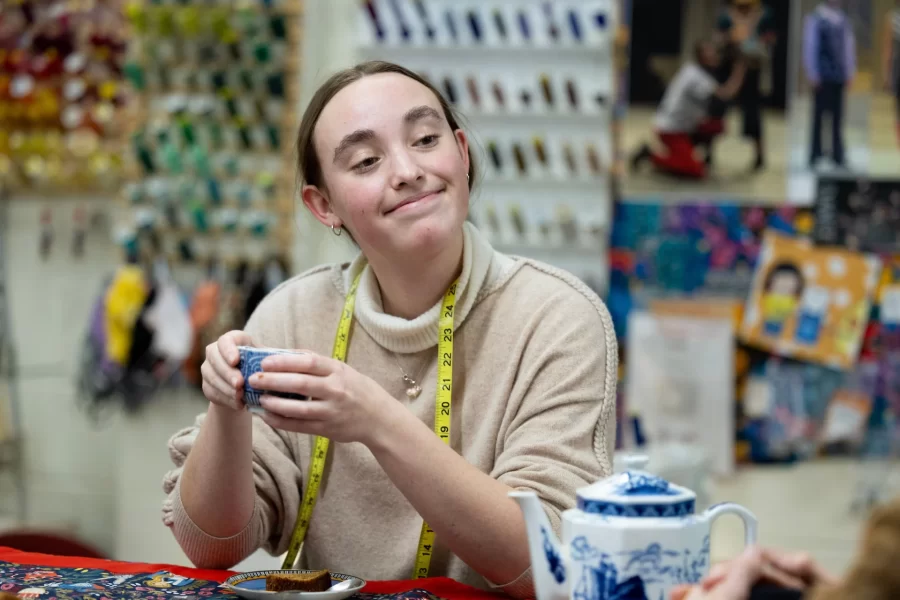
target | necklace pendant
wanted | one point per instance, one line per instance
(413, 391)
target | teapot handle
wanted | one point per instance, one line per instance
(729, 508)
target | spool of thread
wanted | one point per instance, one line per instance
(498, 93)
(540, 151)
(594, 159)
(523, 25)
(451, 24)
(518, 221)
(376, 23)
(552, 28)
(500, 24)
(570, 158)
(573, 94)
(548, 91)
(493, 221)
(450, 90)
(474, 25)
(520, 159)
(473, 91)
(405, 32)
(423, 15)
(575, 24)
(495, 156)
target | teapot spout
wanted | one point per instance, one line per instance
(547, 563)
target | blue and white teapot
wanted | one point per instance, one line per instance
(632, 536)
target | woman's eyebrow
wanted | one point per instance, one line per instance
(359, 136)
(351, 139)
(418, 113)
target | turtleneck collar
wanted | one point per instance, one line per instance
(404, 336)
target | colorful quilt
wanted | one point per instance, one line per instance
(33, 582)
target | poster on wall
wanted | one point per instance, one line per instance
(708, 249)
(689, 251)
(810, 303)
(859, 214)
(685, 391)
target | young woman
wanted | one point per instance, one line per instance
(533, 360)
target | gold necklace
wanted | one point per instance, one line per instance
(413, 388)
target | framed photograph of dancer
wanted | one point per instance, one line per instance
(832, 63)
(707, 100)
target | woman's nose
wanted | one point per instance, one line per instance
(406, 169)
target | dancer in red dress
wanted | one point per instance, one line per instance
(682, 120)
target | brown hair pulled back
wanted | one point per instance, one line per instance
(308, 164)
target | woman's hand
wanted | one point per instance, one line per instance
(344, 406)
(733, 580)
(223, 384)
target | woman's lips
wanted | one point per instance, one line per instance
(415, 200)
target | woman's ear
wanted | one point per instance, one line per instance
(462, 141)
(319, 206)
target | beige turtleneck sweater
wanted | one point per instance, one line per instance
(533, 406)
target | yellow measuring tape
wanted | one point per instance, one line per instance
(442, 412)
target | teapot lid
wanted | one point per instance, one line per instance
(636, 493)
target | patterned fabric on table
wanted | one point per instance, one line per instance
(33, 582)
(63, 583)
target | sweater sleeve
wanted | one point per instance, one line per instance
(561, 414)
(276, 474)
(278, 482)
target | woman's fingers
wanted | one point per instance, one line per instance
(228, 346)
(680, 592)
(787, 570)
(309, 363)
(216, 382)
(744, 574)
(311, 386)
(277, 421)
(800, 565)
(220, 364)
(301, 410)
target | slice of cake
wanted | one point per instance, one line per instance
(316, 581)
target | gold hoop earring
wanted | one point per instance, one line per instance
(337, 230)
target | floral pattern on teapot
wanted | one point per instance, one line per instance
(637, 484)
(600, 578)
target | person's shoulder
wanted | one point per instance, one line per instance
(298, 305)
(692, 74)
(316, 283)
(531, 287)
(692, 71)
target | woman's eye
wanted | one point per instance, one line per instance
(365, 163)
(428, 140)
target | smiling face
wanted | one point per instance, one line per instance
(393, 171)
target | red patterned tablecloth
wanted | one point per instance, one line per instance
(441, 587)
